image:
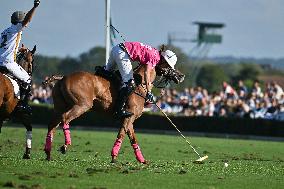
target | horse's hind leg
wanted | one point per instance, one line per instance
(67, 135)
(75, 112)
(117, 144)
(56, 119)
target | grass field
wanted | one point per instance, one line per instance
(252, 164)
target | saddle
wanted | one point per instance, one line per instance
(7, 73)
(4, 70)
(17, 84)
(115, 77)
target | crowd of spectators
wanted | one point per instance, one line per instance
(265, 103)
(41, 94)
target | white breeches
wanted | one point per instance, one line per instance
(18, 71)
(119, 58)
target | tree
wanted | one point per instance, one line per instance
(92, 58)
(45, 66)
(211, 77)
(249, 71)
(69, 65)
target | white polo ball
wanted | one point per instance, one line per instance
(226, 164)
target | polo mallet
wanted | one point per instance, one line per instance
(200, 159)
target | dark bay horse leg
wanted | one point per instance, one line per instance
(26, 120)
(117, 144)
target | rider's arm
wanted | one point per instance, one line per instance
(29, 15)
(147, 76)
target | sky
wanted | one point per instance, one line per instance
(254, 28)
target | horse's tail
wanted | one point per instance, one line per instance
(52, 80)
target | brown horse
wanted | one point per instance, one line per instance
(75, 94)
(8, 100)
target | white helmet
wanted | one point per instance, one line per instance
(170, 57)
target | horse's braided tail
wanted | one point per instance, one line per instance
(52, 80)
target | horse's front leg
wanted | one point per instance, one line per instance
(133, 140)
(117, 144)
(67, 135)
(27, 123)
(27, 154)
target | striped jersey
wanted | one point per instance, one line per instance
(9, 43)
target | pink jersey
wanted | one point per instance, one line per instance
(145, 54)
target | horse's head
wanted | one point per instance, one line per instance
(168, 74)
(25, 58)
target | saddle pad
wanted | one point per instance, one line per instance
(15, 85)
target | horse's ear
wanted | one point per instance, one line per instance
(23, 48)
(163, 47)
(34, 50)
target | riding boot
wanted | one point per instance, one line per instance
(25, 93)
(123, 95)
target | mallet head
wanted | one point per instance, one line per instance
(200, 160)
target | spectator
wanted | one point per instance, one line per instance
(242, 88)
(278, 91)
(256, 89)
(228, 90)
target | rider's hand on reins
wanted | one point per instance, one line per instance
(36, 3)
(150, 97)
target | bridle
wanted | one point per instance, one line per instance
(22, 60)
(167, 75)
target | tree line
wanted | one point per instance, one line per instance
(198, 73)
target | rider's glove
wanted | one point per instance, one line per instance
(150, 97)
(36, 3)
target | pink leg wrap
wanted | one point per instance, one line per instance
(116, 147)
(138, 153)
(67, 134)
(48, 141)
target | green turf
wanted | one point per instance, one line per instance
(252, 164)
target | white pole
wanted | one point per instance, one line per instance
(107, 37)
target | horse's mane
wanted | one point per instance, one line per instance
(20, 59)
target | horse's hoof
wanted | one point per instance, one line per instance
(114, 159)
(48, 155)
(26, 156)
(63, 149)
(146, 162)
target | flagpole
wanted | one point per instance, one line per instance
(107, 33)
